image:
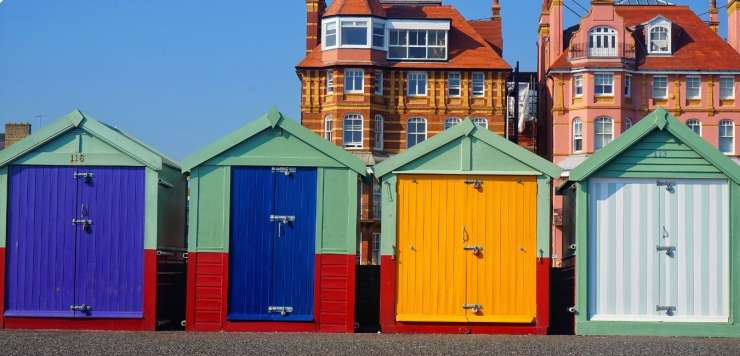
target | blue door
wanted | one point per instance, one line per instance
(110, 250)
(271, 257)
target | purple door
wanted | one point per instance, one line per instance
(110, 249)
(75, 242)
(40, 279)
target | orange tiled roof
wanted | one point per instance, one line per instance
(355, 7)
(468, 49)
(696, 47)
(491, 31)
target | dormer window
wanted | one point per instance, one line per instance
(602, 42)
(354, 33)
(659, 36)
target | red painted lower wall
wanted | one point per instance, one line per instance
(148, 322)
(208, 290)
(388, 323)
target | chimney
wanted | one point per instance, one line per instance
(556, 29)
(496, 10)
(314, 11)
(713, 16)
(15, 132)
(733, 23)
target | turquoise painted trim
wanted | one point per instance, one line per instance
(469, 173)
(151, 209)
(389, 183)
(320, 183)
(226, 237)
(581, 253)
(544, 196)
(275, 161)
(211, 209)
(272, 120)
(113, 137)
(353, 213)
(193, 216)
(466, 161)
(468, 129)
(3, 205)
(91, 159)
(337, 211)
(658, 120)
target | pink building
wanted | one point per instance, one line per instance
(623, 60)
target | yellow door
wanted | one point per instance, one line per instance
(465, 249)
(501, 267)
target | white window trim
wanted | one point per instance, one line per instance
(372, 21)
(701, 127)
(719, 126)
(627, 86)
(378, 84)
(667, 84)
(459, 84)
(734, 84)
(385, 33)
(596, 84)
(329, 128)
(481, 119)
(576, 79)
(453, 120)
(388, 45)
(378, 138)
(354, 146)
(362, 83)
(472, 85)
(330, 80)
(324, 24)
(602, 51)
(660, 24)
(611, 134)
(573, 135)
(426, 130)
(426, 84)
(690, 77)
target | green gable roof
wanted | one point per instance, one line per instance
(121, 141)
(468, 129)
(271, 120)
(657, 121)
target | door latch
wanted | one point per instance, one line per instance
(88, 176)
(284, 311)
(82, 308)
(669, 310)
(283, 219)
(477, 250)
(477, 183)
(284, 170)
(669, 186)
(669, 250)
(84, 222)
(475, 308)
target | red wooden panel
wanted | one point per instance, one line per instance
(207, 273)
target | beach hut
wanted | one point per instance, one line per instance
(465, 244)
(272, 231)
(656, 224)
(86, 214)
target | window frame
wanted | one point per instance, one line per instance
(378, 132)
(720, 126)
(415, 119)
(458, 86)
(597, 85)
(404, 41)
(595, 37)
(598, 123)
(378, 82)
(450, 122)
(368, 32)
(578, 86)
(689, 123)
(734, 83)
(478, 120)
(663, 25)
(689, 79)
(353, 144)
(329, 128)
(325, 34)
(577, 123)
(330, 81)
(417, 76)
(656, 78)
(627, 86)
(376, 24)
(361, 72)
(482, 92)
(627, 124)
(375, 250)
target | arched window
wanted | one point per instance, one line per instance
(416, 131)
(602, 42)
(451, 121)
(577, 135)
(660, 40)
(627, 124)
(603, 132)
(694, 125)
(328, 128)
(378, 131)
(481, 121)
(727, 136)
(352, 131)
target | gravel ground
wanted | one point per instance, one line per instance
(179, 343)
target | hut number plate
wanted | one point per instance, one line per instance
(77, 158)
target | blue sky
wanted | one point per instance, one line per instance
(180, 74)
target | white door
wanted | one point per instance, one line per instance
(658, 250)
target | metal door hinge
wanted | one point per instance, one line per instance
(82, 308)
(477, 183)
(668, 309)
(284, 311)
(477, 250)
(475, 308)
(669, 250)
(87, 176)
(284, 170)
(669, 186)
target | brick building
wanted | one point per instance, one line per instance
(14, 132)
(380, 76)
(623, 60)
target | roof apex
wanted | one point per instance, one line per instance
(355, 7)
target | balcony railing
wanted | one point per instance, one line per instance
(582, 51)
